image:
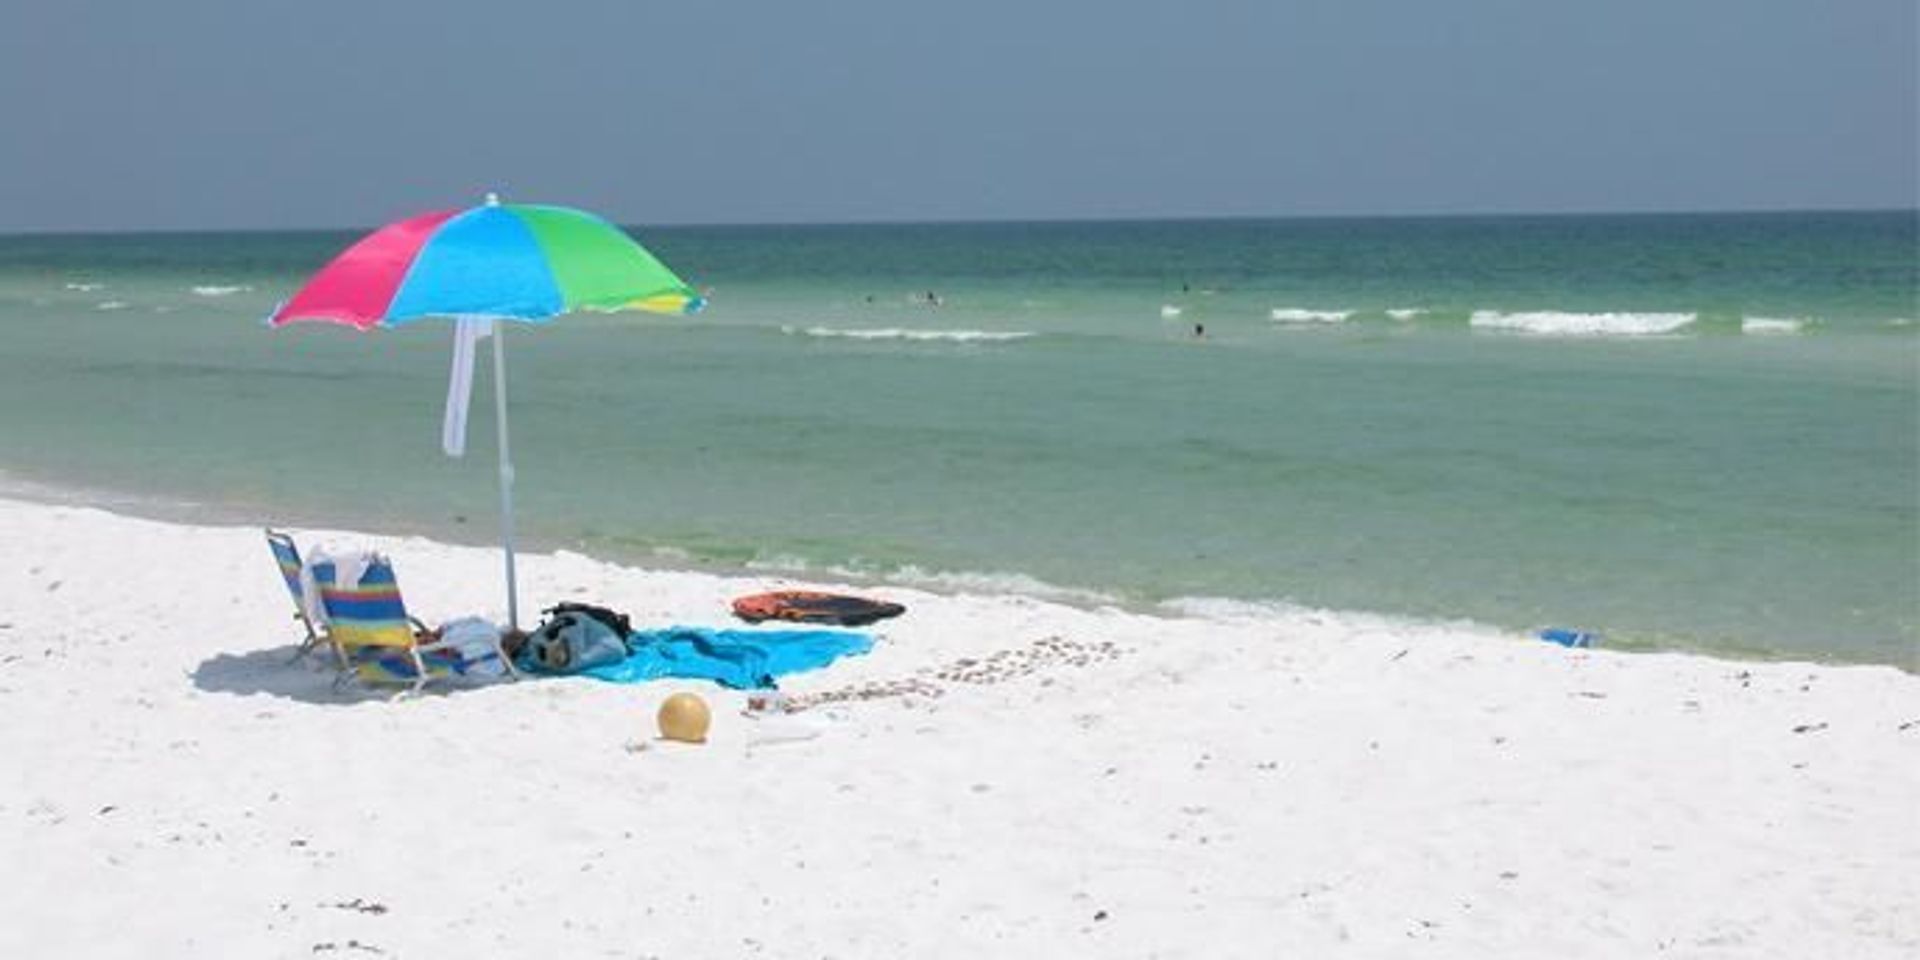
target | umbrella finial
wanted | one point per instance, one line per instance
(493, 199)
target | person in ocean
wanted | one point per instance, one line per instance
(933, 299)
(1199, 331)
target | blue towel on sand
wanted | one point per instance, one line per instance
(741, 659)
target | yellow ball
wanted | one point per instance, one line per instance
(685, 717)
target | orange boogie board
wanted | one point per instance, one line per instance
(804, 606)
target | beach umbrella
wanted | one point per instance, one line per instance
(497, 261)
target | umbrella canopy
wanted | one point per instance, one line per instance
(500, 260)
(491, 262)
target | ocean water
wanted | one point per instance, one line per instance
(1693, 432)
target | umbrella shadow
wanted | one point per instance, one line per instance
(275, 672)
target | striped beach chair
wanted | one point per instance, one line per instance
(288, 557)
(378, 642)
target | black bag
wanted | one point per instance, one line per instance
(572, 641)
(617, 622)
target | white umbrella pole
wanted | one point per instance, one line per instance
(506, 466)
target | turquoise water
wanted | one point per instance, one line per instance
(1698, 432)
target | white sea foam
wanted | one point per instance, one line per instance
(1900, 322)
(1404, 314)
(1767, 325)
(1297, 315)
(1557, 324)
(1168, 311)
(943, 581)
(897, 333)
(212, 290)
(111, 305)
(1349, 623)
(1229, 609)
(994, 584)
(86, 287)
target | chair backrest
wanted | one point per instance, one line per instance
(288, 557)
(369, 613)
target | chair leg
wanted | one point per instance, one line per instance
(420, 675)
(313, 640)
(500, 649)
(346, 673)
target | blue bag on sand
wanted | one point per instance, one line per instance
(571, 642)
(1570, 638)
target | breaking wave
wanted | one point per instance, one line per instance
(212, 290)
(897, 333)
(939, 581)
(111, 305)
(1404, 314)
(949, 581)
(1771, 325)
(1168, 311)
(1345, 625)
(1557, 324)
(1297, 315)
(86, 287)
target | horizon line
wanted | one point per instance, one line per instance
(990, 220)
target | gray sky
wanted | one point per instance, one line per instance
(289, 113)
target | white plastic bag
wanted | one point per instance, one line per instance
(477, 642)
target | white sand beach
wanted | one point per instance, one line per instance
(1096, 783)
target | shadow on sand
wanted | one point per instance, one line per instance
(309, 680)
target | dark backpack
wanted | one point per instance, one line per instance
(617, 622)
(571, 642)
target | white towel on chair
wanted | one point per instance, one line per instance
(348, 567)
(316, 612)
